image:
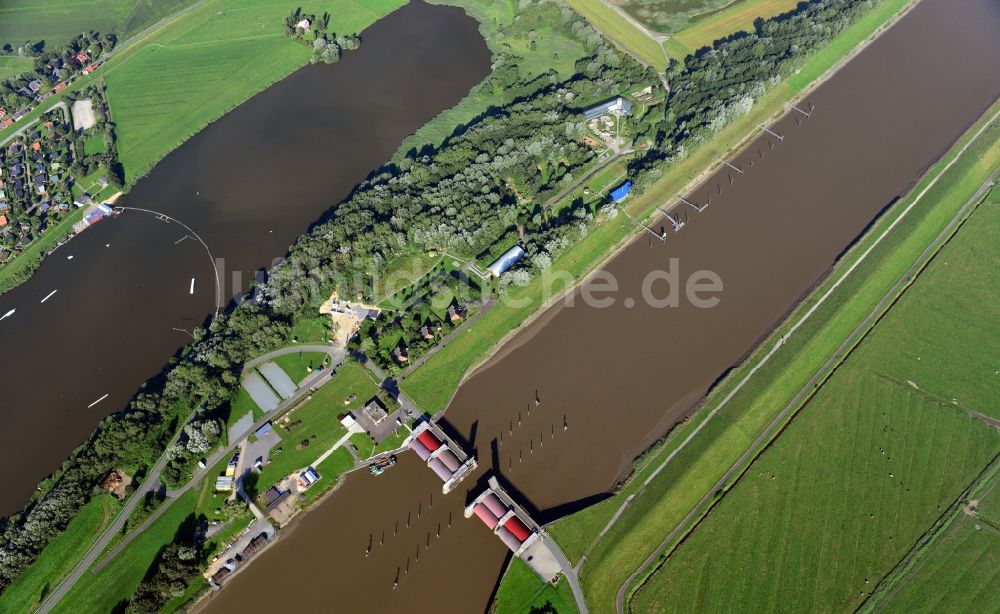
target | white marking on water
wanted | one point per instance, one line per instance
(97, 401)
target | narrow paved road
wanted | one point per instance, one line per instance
(835, 360)
(600, 167)
(317, 379)
(487, 306)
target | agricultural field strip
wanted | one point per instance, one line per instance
(856, 335)
(924, 550)
(971, 207)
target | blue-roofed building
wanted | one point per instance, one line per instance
(619, 105)
(619, 194)
(507, 260)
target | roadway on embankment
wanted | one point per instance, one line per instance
(823, 373)
(152, 482)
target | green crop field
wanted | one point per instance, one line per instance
(736, 17)
(961, 570)
(11, 65)
(623, 33)
(59, 557)
(56, 21)
(207, 62)
(871, 462)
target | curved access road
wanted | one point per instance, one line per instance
(152, 482)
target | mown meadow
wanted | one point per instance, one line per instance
(818, 520)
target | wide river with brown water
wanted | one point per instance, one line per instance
(248, 185)
(620, 377)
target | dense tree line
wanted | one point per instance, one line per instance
(482, 184)
(717, 84)
(173, 571)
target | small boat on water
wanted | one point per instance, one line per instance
(379, 466)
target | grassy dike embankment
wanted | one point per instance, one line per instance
(675, 476)
(434, 383)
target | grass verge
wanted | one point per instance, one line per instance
(59, 557)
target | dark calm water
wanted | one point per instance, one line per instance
(622, 376)
(248, 184)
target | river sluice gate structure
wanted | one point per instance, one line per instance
(516, 529)
(445, 457)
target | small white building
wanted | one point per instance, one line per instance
(303, 25)
(507, 260)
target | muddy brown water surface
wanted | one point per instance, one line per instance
(248, 185)
(620, 377)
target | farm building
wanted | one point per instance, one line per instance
(619, 193)
(507, 260)
(615, 106)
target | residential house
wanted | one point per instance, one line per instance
(426, 333)
(455, 313)
(34, 85)
(400, 354)
(3, 221)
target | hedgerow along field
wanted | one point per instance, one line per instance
(207, 62)
(879, 454)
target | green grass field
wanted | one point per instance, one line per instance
(961, 568)
(871, 462)
(11, 65)
(297, 366)
(94, 145)
(523, 591)
(314, 329)
(57, 21)
(59, 557)
(623, 33)
(402, 272)
(207, 62)
(736, 17)
(552, 51)
(329, 470)
(114, 585)
(696, 468)
(319, 424)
